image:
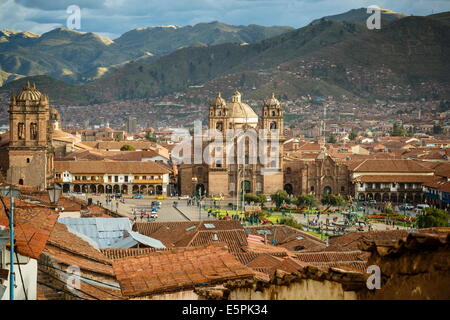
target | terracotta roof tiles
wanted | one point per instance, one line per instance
(177, 269)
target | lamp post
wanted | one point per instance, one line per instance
(54, 193)
(12, 193)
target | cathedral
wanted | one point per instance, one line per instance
(227, 178)
(26, 155)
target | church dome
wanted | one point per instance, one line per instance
(240, 112)
(29, 93)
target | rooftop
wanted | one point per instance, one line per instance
(181, 269)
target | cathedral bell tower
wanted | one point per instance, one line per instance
(218, 114)
(272, 115)
(30, 160)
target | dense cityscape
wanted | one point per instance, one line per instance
(325, 181)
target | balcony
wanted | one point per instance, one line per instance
(378, 189)
(149, 181)
(88, 181)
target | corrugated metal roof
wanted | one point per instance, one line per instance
(134, 239)
(104, 231)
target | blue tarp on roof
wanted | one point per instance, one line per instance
(109, 232)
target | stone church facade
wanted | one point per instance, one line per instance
(250, 175)
(317, 177)
(27, 158)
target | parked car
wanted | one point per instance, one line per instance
(406, 206)
(422, 206)
(183, 197)
(154, 215)
(160, 197)
(137, 196)
(156, 204)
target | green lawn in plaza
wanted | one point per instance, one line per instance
(274, 218)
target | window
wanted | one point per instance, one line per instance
(28, 160)
(33, 131)
(126, 178)
(21, 182)
(144, 177)
(21, 131)
(312, 188)
(136, 177)
(116, 178)
(110, 178)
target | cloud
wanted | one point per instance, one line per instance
(114, 17)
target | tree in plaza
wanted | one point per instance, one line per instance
(332, 200)
(305, 200)
(257, 199)
(127, 147)
(437, 129)
(432, 217)
(332, 139)
(353, 135)
(279, 197)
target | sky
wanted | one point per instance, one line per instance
(111, 18)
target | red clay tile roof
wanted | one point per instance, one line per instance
(351, 241)
(100, 167)
(69, 249)
(347, 260)
(285, 236)
(388, 165)
(177, 269)
(234, 239)
(395, 178)
(195, 233)
(33, 225)
(120, 253)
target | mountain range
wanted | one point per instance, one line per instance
(407, 59)
(78, 57)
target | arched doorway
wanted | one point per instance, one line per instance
(124, 189)
(66, 188)
(151, 190)
(116, 188)
(385, 197)
(377, 197)
(84, 188)
(21, 182)
(144, 189)
(92, 188)
(418, 198)
(108, 188)
(394, 198)
(159, 189)
(77, 188)
(361, 197)
(327, 190)
(246, 186)
(288, 188)
(409, 198)
(369, 196)
(135, 189)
